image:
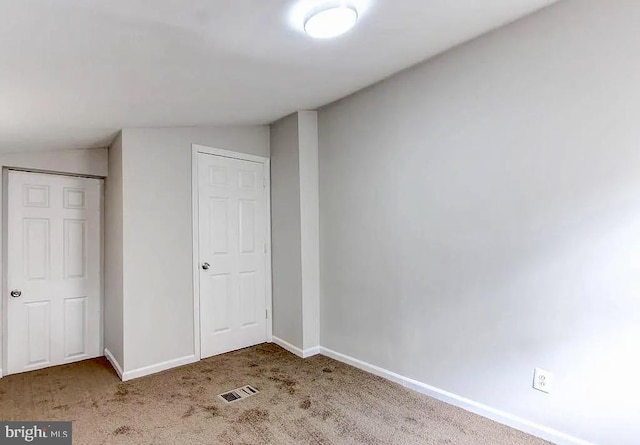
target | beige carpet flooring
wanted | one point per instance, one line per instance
(312, 401)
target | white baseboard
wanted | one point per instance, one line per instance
(152, 369)
(114, 363)
(294, 349)
(461, 402)
(147, 370)
(288, 346)
(310, 352)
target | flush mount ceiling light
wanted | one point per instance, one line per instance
(331, 22)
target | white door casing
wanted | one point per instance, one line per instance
(232, 246)
(54, 262)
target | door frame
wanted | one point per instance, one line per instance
(4, 298)
(266, 162)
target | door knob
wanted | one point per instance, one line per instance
(16, 293)
(205, 266)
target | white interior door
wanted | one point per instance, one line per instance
(232, 217)
(54, 270)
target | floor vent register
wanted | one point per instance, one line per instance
(238, 394)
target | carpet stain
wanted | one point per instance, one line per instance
(122, 391)
(125, 429)
(212, 409)
(188, 380)
(253, 416)
(327, 370)
(305, 404)
(189, 412)
(285, 383)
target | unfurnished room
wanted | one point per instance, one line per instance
(367, 222)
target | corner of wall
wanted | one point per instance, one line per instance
(113, 259)
(310, 227)
(295, 204)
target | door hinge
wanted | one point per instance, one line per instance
(266, 314)
(264, 183)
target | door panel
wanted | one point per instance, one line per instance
(75, 320)
(220, 307)
(75, 249)
(233, 231)
(54, 260)
(36, 245)
(247, 298)
(219, 219)
(38, 317)
(247, 226)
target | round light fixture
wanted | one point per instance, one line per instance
(331, 22)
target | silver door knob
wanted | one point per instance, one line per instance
(205, 266)
(16, 293)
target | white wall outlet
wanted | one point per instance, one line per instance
(542, 380)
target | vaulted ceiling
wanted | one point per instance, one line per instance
(74, 72)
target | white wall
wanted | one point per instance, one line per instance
(295, 231)
(91, 162)
(285, 231)
(480, 216)
(157, 232)
(113, 255)
(309, 227)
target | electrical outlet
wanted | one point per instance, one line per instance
(542, 380)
